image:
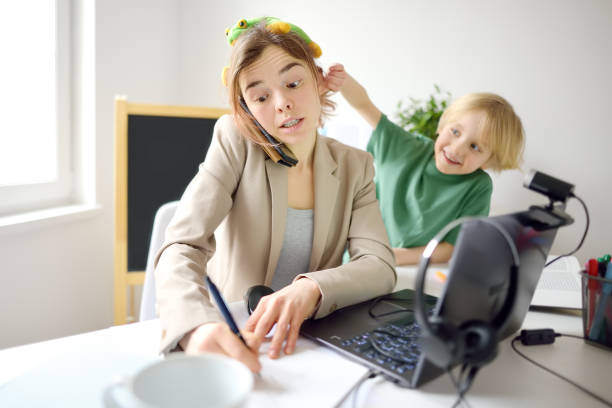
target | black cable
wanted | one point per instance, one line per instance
(468, 381)
(463, 383)
(570, 335)
(456, 384)
(586, 229)
(355, 388)
(580, 387)
(370, 374)
(387, 297)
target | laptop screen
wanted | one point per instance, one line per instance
(479, 271)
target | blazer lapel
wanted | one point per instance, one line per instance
(325, 194)
(277, 179)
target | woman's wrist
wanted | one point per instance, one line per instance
(314, 293)
(184, 342)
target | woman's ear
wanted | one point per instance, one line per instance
(321, 82)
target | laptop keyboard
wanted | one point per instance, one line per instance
(393, 346)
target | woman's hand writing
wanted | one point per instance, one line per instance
(217, 337)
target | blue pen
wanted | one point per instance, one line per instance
(606, 291)
(224, 310)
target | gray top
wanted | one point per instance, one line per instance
(297, 246)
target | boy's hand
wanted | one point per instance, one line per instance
(334, 79)
(337, 79)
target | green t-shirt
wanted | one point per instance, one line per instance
(416, 200)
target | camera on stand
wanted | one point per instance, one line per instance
(558, 191)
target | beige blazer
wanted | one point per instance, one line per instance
(230, 225)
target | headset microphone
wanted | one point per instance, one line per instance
(274, 149)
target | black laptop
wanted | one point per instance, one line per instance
(382, 333)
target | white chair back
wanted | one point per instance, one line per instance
(162, 218)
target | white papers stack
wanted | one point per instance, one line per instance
(559, 285)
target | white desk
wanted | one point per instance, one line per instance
(72, 371)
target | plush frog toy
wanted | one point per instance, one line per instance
(274, 25)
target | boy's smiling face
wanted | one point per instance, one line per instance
(459, 148)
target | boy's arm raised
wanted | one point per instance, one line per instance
(337, 79)
(358, 98)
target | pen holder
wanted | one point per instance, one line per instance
(597, 309)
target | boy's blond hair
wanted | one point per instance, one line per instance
(501, 129)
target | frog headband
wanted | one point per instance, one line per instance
(273, 25)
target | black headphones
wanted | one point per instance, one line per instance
(286, 158)
(474, 342)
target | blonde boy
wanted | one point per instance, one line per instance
(423, 185)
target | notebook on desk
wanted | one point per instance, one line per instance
(559, 286)
(382, 333)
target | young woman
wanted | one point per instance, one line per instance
(246, 219)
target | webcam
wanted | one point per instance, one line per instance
(557, 191)
(553, 188)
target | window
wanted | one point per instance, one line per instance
(35, 130)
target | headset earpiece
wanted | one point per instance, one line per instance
(479, 343)
(440, 346)
(474, 343)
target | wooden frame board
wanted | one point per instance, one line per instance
(126, 280)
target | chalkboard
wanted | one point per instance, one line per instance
(163, 156)
(158, 149)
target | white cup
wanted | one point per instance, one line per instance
(206, 380)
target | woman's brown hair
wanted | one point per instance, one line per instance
(246, 51)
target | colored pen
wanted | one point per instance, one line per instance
(598, 320)
(608, 332)
(224, 310)
(592, 267)
(603, 264)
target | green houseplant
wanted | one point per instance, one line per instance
(422, 116)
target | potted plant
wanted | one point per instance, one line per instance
(422, 117)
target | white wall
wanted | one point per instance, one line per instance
(549, 58)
